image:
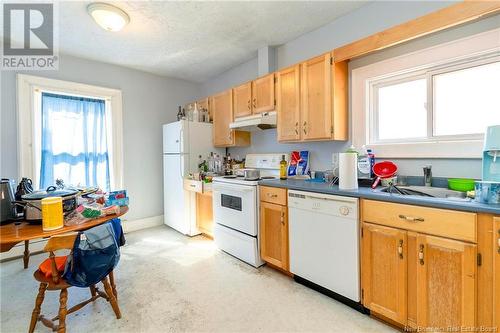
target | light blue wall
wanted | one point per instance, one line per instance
(363, 22)
(148, 102)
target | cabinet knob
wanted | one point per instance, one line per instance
(254, 103)
(400, 249)
(305, 127)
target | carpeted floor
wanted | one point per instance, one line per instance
(170, 283)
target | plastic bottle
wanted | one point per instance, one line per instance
(372, 161)
(364, 165)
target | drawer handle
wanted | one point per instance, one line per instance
(283, 218)
(421, 254)
(272, 195)
(192, 185)
(411, 218)
(400, 249)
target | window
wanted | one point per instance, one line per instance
(69, 131)
(435, 102)
(449, 103)
(73, 141)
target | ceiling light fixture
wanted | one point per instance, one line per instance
(109, 17)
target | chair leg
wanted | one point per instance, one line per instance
(93, 292)
(112, 298)
(62, 311)
(26, 255)
(113, 285)
(38, 305)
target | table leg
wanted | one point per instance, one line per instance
(26, 256)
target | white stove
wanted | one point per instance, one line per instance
(236, 209)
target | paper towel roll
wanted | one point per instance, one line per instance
(348, 171)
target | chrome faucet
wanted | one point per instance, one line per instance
(428, 175)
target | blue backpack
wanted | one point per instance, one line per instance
(95, 254)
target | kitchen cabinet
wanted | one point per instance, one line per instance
(222, 109)
(254, 97)
(204, 213)
(496, 272)
(434, 281)
(274, 247)
(446, 283)
(312, 101)
(384, 271)
(488, 272)
(288, 104)
(263, 94)
(316, 96)
(242, 100)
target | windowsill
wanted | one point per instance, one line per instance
(470, 149)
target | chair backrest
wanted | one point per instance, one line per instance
(59, 242)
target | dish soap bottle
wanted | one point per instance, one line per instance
(283, 167)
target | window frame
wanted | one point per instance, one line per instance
(467, 52)
(429, 75)
(29, 91)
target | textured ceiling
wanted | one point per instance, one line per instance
(192, 40)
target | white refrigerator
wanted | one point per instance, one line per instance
(183, 143)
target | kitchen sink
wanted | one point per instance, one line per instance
(425, 191)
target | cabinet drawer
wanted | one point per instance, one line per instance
(273, 195)
(433, 221)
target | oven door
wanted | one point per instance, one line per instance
(235, 206)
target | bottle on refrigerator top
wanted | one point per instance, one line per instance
(283, 168)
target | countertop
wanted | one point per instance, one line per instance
(368, 193)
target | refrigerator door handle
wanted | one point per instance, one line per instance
(181, 134)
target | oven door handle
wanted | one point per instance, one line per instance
(219, 187)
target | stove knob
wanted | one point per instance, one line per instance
(344, 210)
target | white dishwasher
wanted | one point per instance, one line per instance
(324, 241)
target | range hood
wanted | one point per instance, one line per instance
(261, 121)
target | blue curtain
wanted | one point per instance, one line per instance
(74, 145)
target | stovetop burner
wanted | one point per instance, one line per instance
(243, 178)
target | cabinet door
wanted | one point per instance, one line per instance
(288, 104)
(242, 103)
(316, 99)
(446, 283)
(263, 94)
(496, 272)
(222, 108)
(274, 234)
(204, 104)
(340, 98)
(204, 215)
(383, 270)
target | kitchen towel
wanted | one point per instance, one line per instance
(348, 172)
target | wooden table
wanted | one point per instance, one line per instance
(12, 234)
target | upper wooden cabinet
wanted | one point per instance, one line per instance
(263, 96)
(222, 110)
(316, 99)
(222, 107)
(254, 97)
(288, 103)
(318, 110)
(242, 100)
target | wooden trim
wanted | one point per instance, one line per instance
(485, 290)
(442, 19)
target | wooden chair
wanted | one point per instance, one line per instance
(56, 282)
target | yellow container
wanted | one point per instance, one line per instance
(52, 213)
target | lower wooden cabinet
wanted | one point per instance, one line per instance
(496, 272)
(446, 283)
(274, 234)
(425, 281)
(204, 213)
(384, 276)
